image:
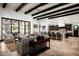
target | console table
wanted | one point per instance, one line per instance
(34, 44)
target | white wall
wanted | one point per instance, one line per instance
(9, 13)
(0, 28)
(72, 19)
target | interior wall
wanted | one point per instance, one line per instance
(0, 28)
(61, 21)
(10, 13)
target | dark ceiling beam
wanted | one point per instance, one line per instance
(69, 11)
(64, 15)
(50, 8)
(66, 8)
(42, 4)
(4, 5)
(21, 6)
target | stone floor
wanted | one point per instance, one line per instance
(4, 51)
(67, 47)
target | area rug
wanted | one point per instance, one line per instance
(11, 46)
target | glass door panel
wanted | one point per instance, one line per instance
(14, 26)
(22, 27)
(6, 27)
(27, 24)
(27, 30)
(10, 26)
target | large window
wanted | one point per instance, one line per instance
(12, 26)
(6, 27)
(27, 28)
(22, 27)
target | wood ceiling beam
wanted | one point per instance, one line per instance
(20, 7)
(77, 9)
(66, 8)
(64, 15)
(4, 5)
(40, 5)
(50, 8)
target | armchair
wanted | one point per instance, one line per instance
(8, 38)
(53, 35)
(59, 36)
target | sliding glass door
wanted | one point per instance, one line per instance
(27, 28)
(24, 28)
(6, 27)
(14, 26)
(21, 24)
(10, 26)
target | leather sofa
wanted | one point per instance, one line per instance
(23, 45)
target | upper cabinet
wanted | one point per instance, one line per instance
(68, 27)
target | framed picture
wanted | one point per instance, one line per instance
(35, 26)
(43, 27)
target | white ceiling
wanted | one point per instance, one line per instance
(57, 9)
(43, 7)
(13, 5)
(31, 5)
(28, 7)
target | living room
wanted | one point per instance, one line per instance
(39, 29)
